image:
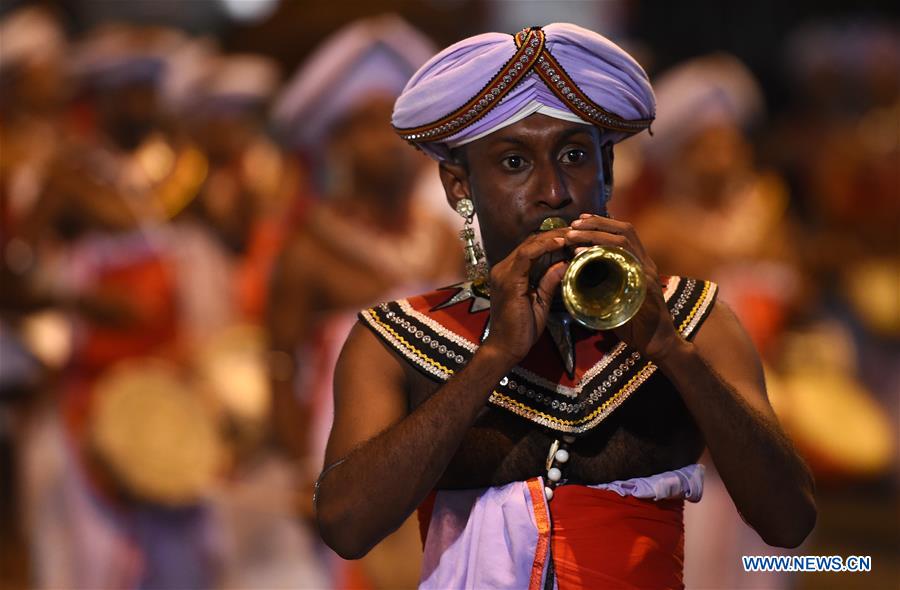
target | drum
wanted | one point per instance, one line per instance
(835, 422)
(232, 367)
(154, 433)
(837, 426)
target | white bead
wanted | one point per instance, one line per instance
(554, 474)
(562, 456)
(548, 493)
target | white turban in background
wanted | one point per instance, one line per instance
(368, 57)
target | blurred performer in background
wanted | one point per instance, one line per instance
(32, 119)
(838, 143)
(840, 146)
(32, 123)
(215, 235)
(730, 216)
(558, 456)
(251, 184)
(101, 211)
(223, 243)
(368, 238)
(729, 219)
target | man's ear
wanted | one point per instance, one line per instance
(455, 178)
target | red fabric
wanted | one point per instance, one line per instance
(603, 540)
(543, 359)
(147, 287)
(252, 274)
(423, 512)
(352, 576)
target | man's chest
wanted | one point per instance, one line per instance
(626, 419)
(570, 382)
(651, 433)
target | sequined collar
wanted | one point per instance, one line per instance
(569, 392)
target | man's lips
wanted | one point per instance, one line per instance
(536, 225)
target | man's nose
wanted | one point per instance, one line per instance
(552, 190)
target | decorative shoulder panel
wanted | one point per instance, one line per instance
(439, 332)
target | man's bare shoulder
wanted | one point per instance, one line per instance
(363, 352)
(370, 392)
(366, 352)
(724, 328)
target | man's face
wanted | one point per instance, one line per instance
(537, 168)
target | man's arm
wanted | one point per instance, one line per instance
(391, 459)
(720, 379)
(383, 459)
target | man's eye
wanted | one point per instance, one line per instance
(574, 156)
(513, 162)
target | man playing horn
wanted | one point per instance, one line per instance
(538, 452)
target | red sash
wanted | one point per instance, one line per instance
(603, 540)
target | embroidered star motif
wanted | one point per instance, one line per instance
(467, 292)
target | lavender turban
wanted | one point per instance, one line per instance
(489, 81)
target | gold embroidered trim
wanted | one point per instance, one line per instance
(457, 339)
(571, 392)
(407, 349)
(513, 71)
(577, 426)
(564, 87)
(425, 350)
(583, 424)
(706, 297)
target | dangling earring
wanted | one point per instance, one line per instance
(476, 266)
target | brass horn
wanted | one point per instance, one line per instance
(604, 286)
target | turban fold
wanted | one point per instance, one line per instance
(489, 81)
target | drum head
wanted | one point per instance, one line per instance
(155, 433)
(836, 424)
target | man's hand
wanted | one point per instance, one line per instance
(374, 431)
(651, 331)
(720, 378)
(518, 310)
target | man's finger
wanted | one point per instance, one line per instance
(525, 255)
(612, 226)
(549, 283)
(598, 238)
(598, 222)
